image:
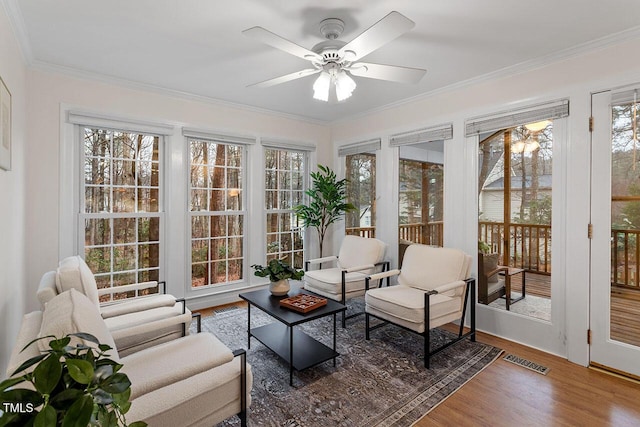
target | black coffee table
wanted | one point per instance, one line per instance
(300, 350)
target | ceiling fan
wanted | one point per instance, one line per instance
(336, 60)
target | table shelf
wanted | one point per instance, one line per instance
(307, 352)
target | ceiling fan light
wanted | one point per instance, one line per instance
(537, 126)
(321, 87)
(517, 147)
(344, 86)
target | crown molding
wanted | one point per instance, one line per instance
(131, 84)
(19, 29)
(522, 67)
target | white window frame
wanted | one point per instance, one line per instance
(305, 185)
(72, 215)
(216, 138)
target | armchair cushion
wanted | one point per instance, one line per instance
(407, 303)
(444, 265)
(356, 250)
(329, 281)
(72, 312)
(74, 273)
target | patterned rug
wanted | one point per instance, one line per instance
(381, 382)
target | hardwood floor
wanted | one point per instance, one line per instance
(508, 395)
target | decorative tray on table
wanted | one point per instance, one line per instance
(303, 303)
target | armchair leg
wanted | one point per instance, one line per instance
(427, 330)
(344, 298)
(198, 318)
(366, 326)
(243, 386)
(472, 284)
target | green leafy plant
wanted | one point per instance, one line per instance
(483, 247)
(326, 202)
(278, 269)
(70, 386)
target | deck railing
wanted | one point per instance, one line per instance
(529, 244)
(625, 258)
(427, 234)
(369, 232)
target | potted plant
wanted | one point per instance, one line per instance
(70, 385)
(279, 273)
(326, 202)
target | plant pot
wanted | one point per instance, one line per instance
(279, 288)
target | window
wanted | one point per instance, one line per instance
(361, 193)
(421, 200)
(285, 178)
(217, 212)
(121, 210)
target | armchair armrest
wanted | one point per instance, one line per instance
(139, 332)
(358, 268)
(134, 305)
(380, 276)
(128, 288)
(173, 361)
(384, 274)
(497, 270)
(448, 287)
(319, 260)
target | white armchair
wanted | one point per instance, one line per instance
(135, 323)
(358, 258)
(433, 289)
(191, 381)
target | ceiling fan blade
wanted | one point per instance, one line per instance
(387, 72)
(274, 40)
(286, 78)
(382, 32)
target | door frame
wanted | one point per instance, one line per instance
(603, 351)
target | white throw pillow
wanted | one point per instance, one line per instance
(72, 312)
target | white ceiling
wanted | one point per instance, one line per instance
(196, 47)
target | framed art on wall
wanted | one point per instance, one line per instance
(5, 126)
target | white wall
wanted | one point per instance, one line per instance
(12, 197)
(574, 78)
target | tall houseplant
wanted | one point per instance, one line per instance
(327, 202)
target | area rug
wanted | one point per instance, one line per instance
(381, 382)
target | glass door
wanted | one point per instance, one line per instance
(615, 217)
